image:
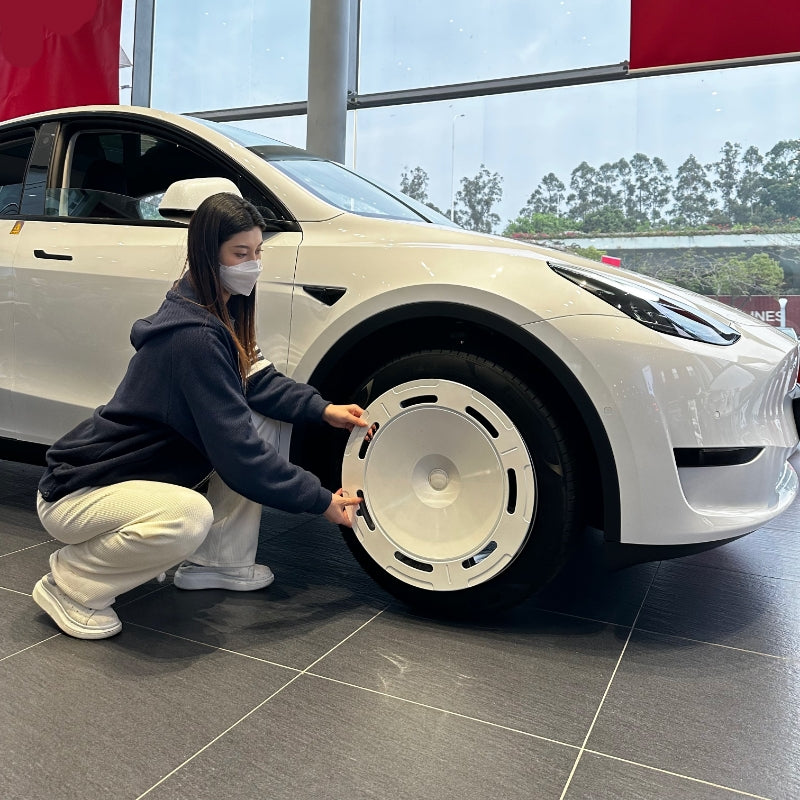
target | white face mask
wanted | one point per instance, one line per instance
(241, 278)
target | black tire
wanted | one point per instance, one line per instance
(555, 519)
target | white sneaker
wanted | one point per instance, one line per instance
(238, 579)
(73, 618)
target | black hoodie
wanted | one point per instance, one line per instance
(181, 411)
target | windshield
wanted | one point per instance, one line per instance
(423, 209)
(344, 189)
(240, 135)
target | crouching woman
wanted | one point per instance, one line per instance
(121, 489)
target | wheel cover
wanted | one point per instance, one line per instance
(448, 485)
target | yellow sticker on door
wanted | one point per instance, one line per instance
(17, 227)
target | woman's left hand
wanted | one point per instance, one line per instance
(348, 416)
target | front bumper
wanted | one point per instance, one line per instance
(656, 394)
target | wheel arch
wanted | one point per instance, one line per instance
(412, 327)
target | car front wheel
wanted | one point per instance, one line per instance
(469, 484)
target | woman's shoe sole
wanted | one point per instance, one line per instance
(50, 605)
(212, 581)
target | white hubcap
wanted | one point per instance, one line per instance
(447, 482)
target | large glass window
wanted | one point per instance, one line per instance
(692, 177)
(217, 54)
(127, 23)
(516, 137)
(419, 43)
(526, 136)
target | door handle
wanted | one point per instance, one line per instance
(54, 256)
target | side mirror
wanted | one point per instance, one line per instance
(182, 198)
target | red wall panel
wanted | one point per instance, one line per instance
(57, 53)
(672, 32)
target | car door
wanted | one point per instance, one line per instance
(15, 150)
(99, 257)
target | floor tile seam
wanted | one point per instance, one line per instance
(23, 549)
(15, 591)
(298, 670)
(219, 736)
(448, 711)
(30, 646)
(215, 647)
(675, 774)
(717, 644)
(583, 618)
(347, 638)
(252, 710)
(608, 685)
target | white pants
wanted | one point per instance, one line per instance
(120, 536)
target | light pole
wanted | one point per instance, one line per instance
(782, 301)
(453, 168)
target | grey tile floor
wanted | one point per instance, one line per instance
(676, 680)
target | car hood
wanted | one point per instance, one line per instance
(523, 256)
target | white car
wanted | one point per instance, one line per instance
(515, 394)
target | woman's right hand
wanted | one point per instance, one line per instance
(337, 511)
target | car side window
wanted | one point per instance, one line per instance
(123, 175)
(96, 184)
(14, 155)
(165, 162)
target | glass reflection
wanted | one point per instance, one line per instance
(419, 43)
(214, 54)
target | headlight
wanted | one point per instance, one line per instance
(659, 310)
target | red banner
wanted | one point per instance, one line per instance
(55, 53)
(672, 32)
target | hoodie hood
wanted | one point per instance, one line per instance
(180, 309)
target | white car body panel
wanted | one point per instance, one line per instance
(8, 246)
(73, 318)
(655, 393)
(402, 263)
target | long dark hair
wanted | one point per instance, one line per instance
(217, 219)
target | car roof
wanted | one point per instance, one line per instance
(252, 154)
(242, 136)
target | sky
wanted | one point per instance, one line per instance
(211, 54)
